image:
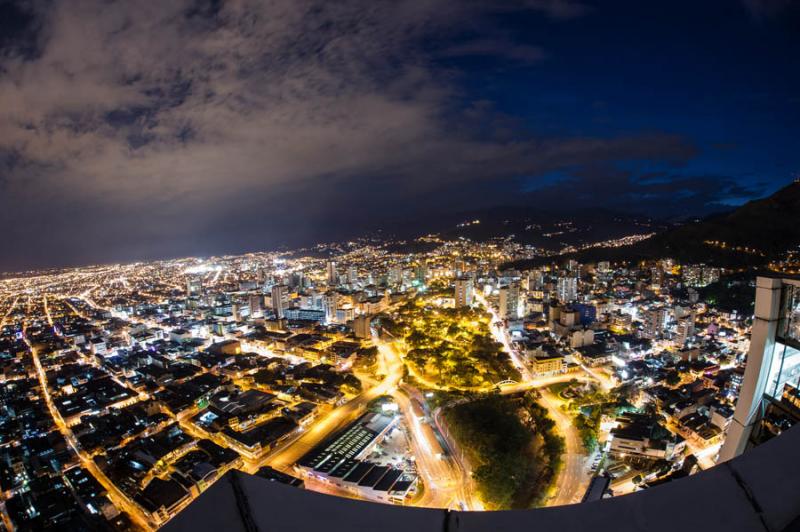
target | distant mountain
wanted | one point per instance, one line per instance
(755, 233)
(535, 225)
(751, 235)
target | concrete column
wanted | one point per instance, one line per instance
(759, 362)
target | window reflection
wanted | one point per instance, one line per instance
(785, 369)
(790, 315)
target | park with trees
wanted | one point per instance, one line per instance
(512, 445)
(449, 347)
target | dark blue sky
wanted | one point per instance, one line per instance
(715, 72)
(131, 131)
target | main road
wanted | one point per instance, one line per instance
(4, 318)
(443, 479)
(120, 500)
(447, 483)
(573, 477)
(286, 457)
(501, 336)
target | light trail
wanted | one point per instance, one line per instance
(442, 477)
(500, 336)
(572, 478)
(8, 312)
(289, 454)
(47, 311)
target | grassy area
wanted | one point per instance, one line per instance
(558, 388)
(512, 446)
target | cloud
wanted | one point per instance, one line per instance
(764, 9)
(495, 48)
(164, 128)
(661, 194)
(559, 9)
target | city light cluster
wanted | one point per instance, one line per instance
(352, 369)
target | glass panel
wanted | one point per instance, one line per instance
(775, 370)
(789, 328)
(785, 368)
(790, 372)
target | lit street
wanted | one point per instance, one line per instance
(118, 497)
(460, 261)
(285, 458)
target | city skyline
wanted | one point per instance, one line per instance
(439, 379)
(399, 265)
(210, 128)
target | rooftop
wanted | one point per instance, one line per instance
(758, 491)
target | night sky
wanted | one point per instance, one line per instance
(140, 130)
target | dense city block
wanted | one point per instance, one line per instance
(442, 378)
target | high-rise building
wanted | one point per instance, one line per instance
(395, 275)
(553, 313)
(694, 295)
(298, 280)
(459, 267)
(280, 300)
(567, 289)
(710, 275)
(313, 301)
(655, 321)
(536, 280)
(255, 304)
(345, 314)
(700, 275)
(421, 273)
(331, 305)
(656, 276)
(361, 326)
(463, 292)
(573, 266)
(570, 317)
(692, 275)
(333, 275)
(194, 285)
(684, 330)
(509, 302)
(352, 275)
(685, 318)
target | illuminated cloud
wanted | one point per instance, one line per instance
(140, 129)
